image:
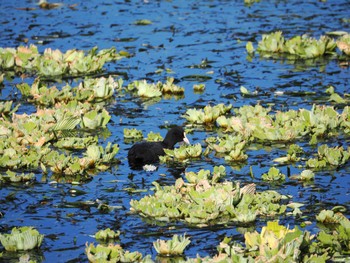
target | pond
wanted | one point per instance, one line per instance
(194, 42)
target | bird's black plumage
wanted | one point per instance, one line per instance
(148, 152)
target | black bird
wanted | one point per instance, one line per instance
(148, 152)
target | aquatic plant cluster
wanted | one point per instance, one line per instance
(39, 141)
(63, 138)
(54, 62)
(300, 46)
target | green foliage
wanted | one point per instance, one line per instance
(208, 115)
(110, 253)
(155, 90)
(299, 46)
(154, 137)
(22, 238)
(174, 246)
(182, 153)
(273, 174)
(330, 217)
(218, 173)
(255, 123)
(132, 133)
(107, 234)
(88, 91)
(329, 156)
(204, 202)
(232, 147)
(14, 177)
(343, 44)
(334, 241)
(54, 62)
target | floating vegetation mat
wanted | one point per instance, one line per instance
(204, 201)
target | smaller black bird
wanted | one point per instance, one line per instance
(148, 152)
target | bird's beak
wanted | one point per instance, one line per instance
(186, 140)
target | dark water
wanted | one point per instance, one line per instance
(182, 35)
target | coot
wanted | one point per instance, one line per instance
(148, 152)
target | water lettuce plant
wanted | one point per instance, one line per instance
(110, 253)
(154, 137)
(213, 177)
(231, 147)
(343, 43)
(172, 247)
(107, 234)
(182, 153)
(293, 154)
(273, 174)
(22, 238)
(132, 133)
(207, 115)
(305, 176)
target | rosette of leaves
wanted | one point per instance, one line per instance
(15, 177)
(103, 88)
(182, 153)
(26, 56)
(329, 156)
(154, 137)
(274, 174)
(172, 247)
(305, 176)
(107, 234)
(5, 108)
(199, 88)
(132, 133)
(207, 115)
(232, 147)
(110, 253)
(144, 89)
(273, 42)
(97, 118)
(7, 58)
(343, 44)
(51, 63)
(293, 154)
(101, 155)
(218, 173)
(170, 88)
(22, 238)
